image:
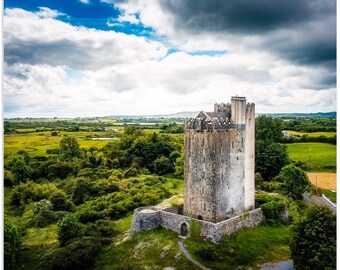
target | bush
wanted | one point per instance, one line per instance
(41, 206)
(54, 133)
(313, 244)
(69, 228)
(47, 217)
(101, 229)
(273, 210)
(79, 254)
(295, 180)
(258, 180)
(12, 241)
(8, 178)
(31, 192)
(270, 158)
(21, 171)
(195, 229)
(163, 165)
(60, 202)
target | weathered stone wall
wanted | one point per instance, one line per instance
(249, 159)
(214, 174)
(146, 219)
(173, 222)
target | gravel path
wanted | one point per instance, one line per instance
(188, 256)
(285, 265)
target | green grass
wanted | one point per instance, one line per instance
(247, 248)
(124, 224)
(36, 243)
(155, 249)
(329, 194)
(174, 185)
(317, 156)
(37, 143)
(313, 134)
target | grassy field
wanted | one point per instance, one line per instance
(247, 249)
(313, 134)
(317, 156)
(37, 143)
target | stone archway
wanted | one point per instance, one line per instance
(184, 229)
(199, 217)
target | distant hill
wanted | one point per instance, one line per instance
(302, 115)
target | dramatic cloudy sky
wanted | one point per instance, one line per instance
(70, 58)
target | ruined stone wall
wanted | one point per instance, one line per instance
(249, 161)
(245, 220)
(173, 222)
(145, 219)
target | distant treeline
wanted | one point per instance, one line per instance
(306, 138)
(310, 125)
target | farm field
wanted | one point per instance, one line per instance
(325, 180)
(313, 134)
(37, 143)
(317, 156)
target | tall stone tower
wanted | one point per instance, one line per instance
(219, 161)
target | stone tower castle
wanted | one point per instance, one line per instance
(219, 161)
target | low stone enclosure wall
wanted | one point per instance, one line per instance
(146, 219)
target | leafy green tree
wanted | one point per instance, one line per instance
(163, 165)
(21, 171)
(270, 157)
(60, 203)
(313, 244)
(12, 241)
(68, 228)
(295, 181)
(69, 147)
(268, 128)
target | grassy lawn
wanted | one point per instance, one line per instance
(317, 156)
(36, 243)
(155, 249)
(313, 134)
(246, 248)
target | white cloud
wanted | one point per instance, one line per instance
(55, 69)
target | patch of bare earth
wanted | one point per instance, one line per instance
(325, 180)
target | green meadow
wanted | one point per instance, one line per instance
(313, 134)
(317, 156)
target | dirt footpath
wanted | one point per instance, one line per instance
(325, 180)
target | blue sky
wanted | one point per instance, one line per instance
(96, 58)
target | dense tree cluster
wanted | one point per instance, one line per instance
(313, 243)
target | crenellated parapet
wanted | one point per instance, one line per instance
(208, 124)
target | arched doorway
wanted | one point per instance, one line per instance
(199, 217)
(184, 229)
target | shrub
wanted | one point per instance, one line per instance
(21, 171)
(258, 180)
(41, 206)
(12, 241)
(272, 210)
(295, 181)
(47, 217)
(195, 229)
(60, 202)
(8, 178)
(102, 229)
(31, 192)
(79, 254)
(54, 133)
(69, 228)
(313, 244)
